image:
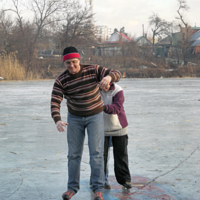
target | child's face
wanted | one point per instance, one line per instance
(106, 88)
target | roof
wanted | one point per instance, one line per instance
(125, 36)
(195, 28)
(196, 43)
(137, 39)
(116, 37)
(196, 36)
(166, 41)
(142, 40)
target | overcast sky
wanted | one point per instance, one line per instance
(131, 14)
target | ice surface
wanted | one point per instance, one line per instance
(164, 127)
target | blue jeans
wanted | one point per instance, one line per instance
(75, 137)
(107, 170)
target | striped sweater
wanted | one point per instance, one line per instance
(81, 91)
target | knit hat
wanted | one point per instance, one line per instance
(70, 52)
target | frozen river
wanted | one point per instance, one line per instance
(164, 141)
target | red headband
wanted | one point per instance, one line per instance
(70, 56)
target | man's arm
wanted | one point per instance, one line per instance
(56, 99)
(115, 75)
(105, 76)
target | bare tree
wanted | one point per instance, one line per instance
(76, 28)
(115, 30)
(6, 26)
(185, 28)
(64, 18)
(26, 31)
(159, 27)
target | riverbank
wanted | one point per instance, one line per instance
(120, 79)
(52, 73)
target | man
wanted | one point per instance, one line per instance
(116, 129)
(79, 85)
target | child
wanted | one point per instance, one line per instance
(116, 125)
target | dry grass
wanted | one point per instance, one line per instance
(11, 69)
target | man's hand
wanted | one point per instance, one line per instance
(105, 82)
(60, 125)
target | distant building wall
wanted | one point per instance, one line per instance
(103, 33)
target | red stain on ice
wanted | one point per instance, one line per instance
(152, 191)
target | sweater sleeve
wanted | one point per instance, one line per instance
(117, 106)
(102, 72)
(56, 99)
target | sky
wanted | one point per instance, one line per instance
(131, 14)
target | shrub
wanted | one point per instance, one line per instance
(11, 69)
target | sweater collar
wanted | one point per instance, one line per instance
(112, 86)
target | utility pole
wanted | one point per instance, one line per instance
(143, 29)
(91, 4)
(91, 7)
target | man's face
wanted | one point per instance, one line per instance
(73, 65)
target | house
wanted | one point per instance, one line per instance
(163, 46)
(195, 40)
(143, 41)
(144, 45)
(113, 46)
(117, 37)
(176, 37)
(194, 30)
